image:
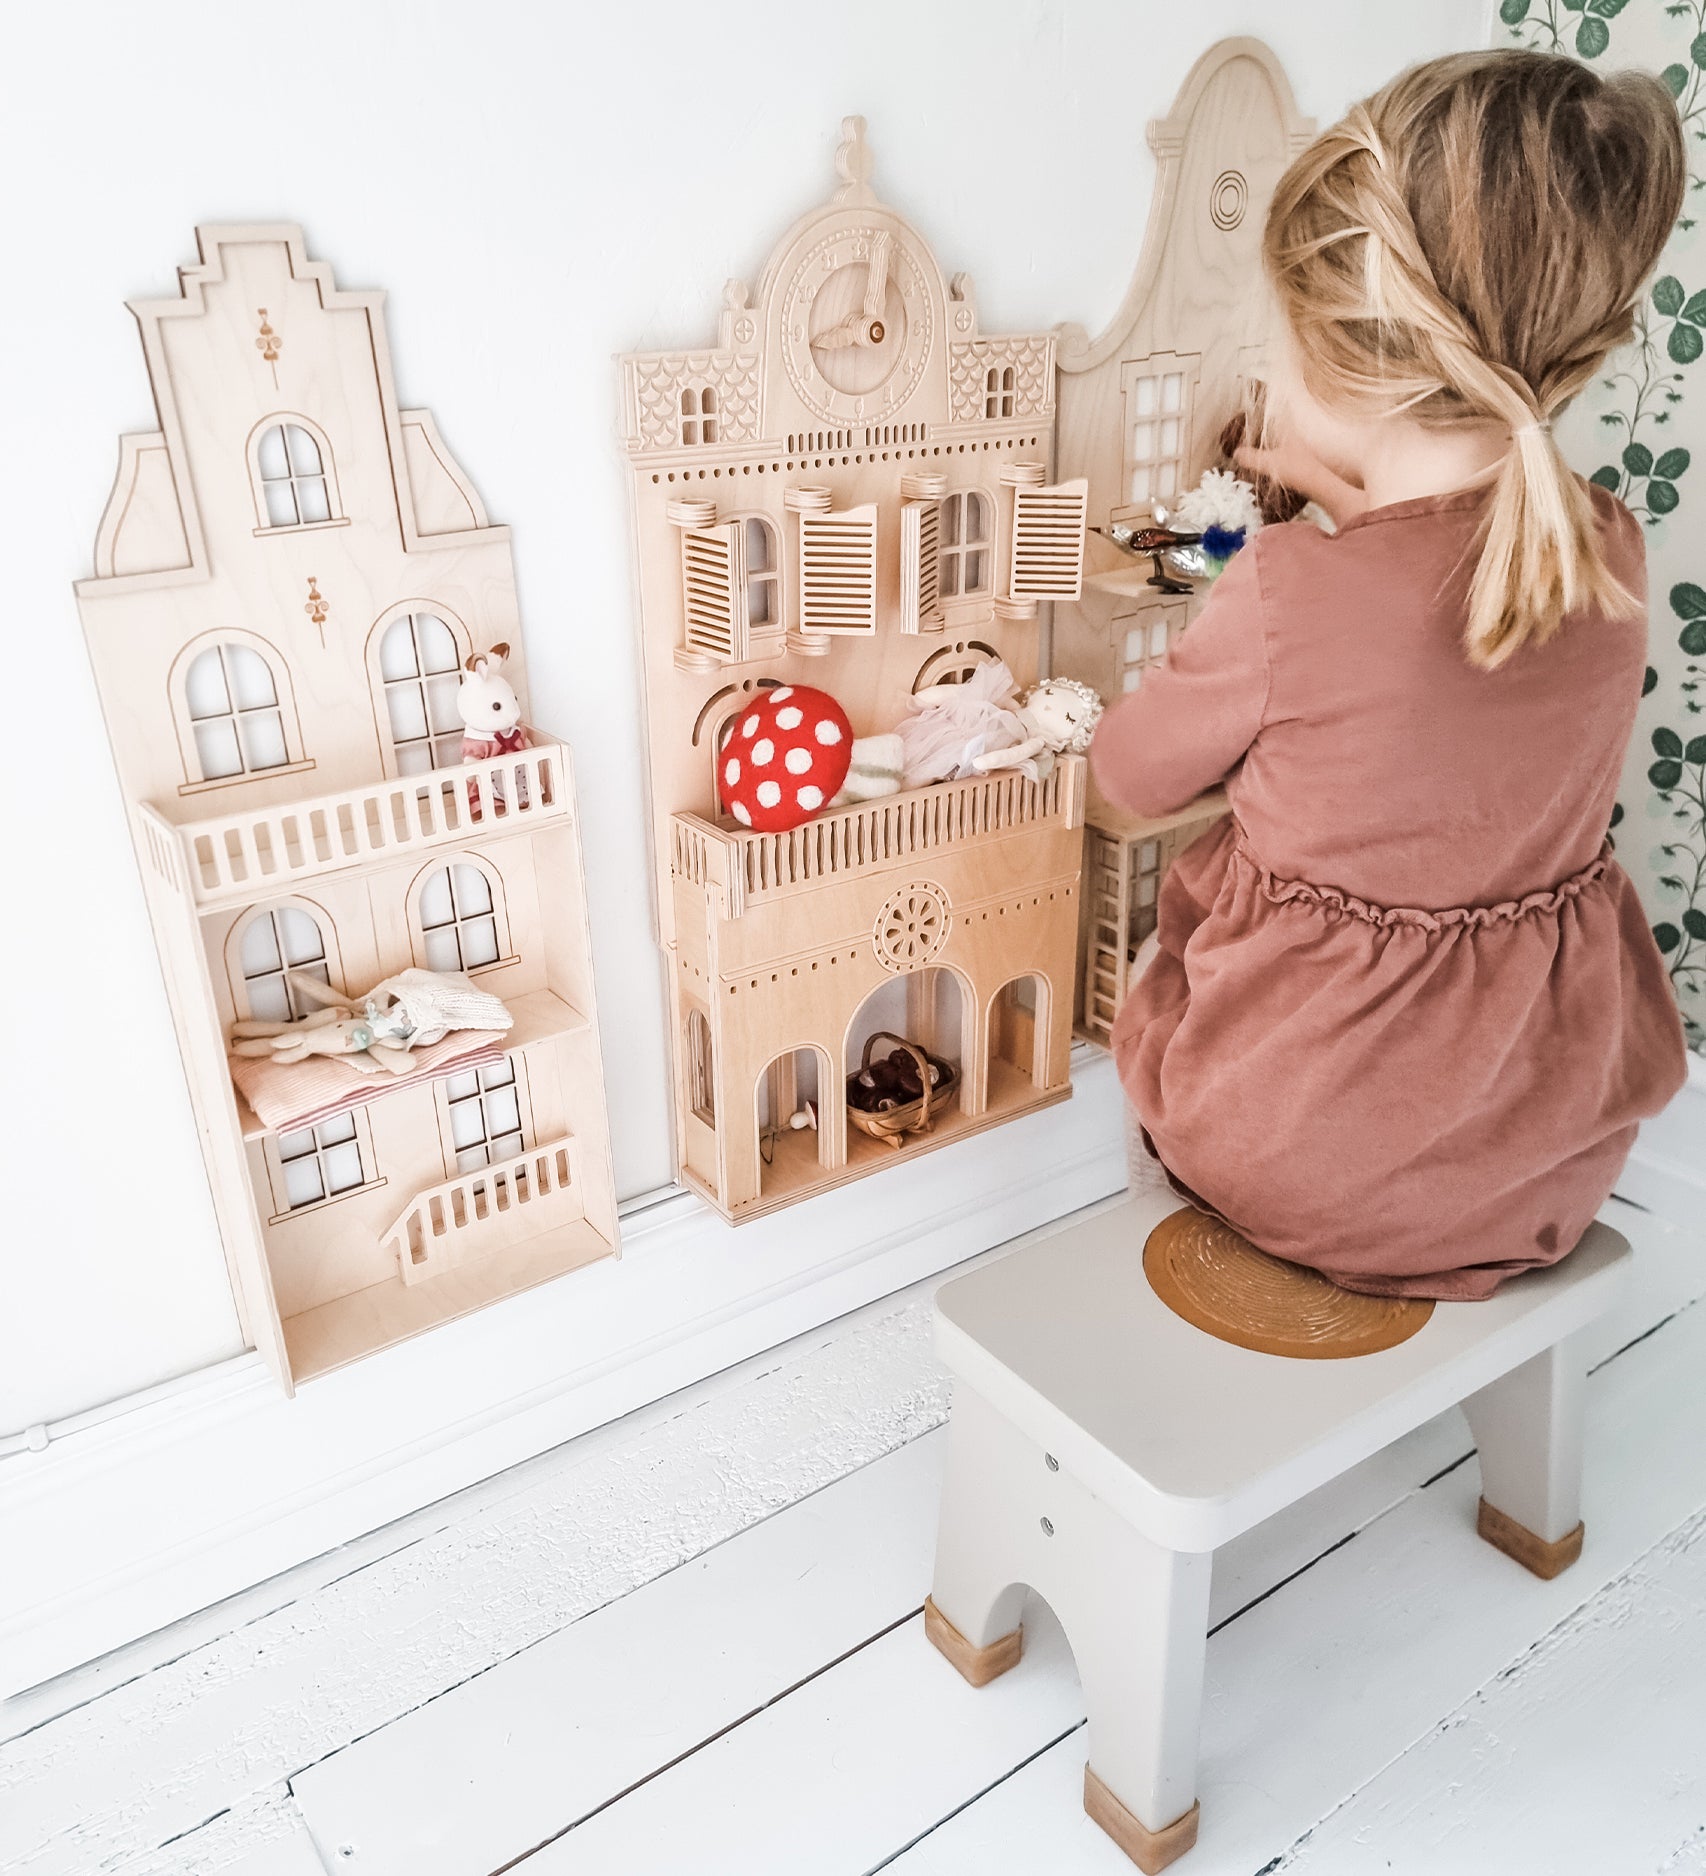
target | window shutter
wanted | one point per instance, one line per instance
(920, 567)
(713, 584)
(838, 566)
(1047, 561)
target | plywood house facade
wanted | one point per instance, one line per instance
(867, 517)
(288, 578)
(1141, 411)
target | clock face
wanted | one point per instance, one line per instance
(856, 324)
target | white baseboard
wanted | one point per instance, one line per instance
(117, 1530)
(1666, 1170)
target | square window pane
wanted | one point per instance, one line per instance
(216, 749)
(1169, 436)
(397, 652)
(435, 903)
(1132, 678)
(975, 582)
(252, 687)
(951, 521)
(1142, 441)
(503, 1111)
(1144, 397)
(312, 501)
(304, 451)
(499, 1074)
(300, 935)
(1149, 856)
(760, 607)
(334, 1132)
(460, 1087)
(471, 1158)
(1134, 644)
(509, 1146)
(1173, 391)
(262, 733)
(442, 951)
(467, 1123)
(407, 709)
(299, 1004)
(437, 643)
(1140, 483)
(689, 430)
(268, 1001)
(446, 751)
(1158, 639)
(294, 1145)
(270, 455)
(442, 711)
(1166, 478)
(473, 890)
(948, 576)
(281, 505)
(1146, 889)
(479, 942)
(977, 517)
(415, 759)
(302, 1184)
(342, 1167)
(204, 685)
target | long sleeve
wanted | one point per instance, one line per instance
(1197, 713)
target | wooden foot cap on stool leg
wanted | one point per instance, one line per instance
(1150, 1850)
(1519, 1542)
(978, 1665)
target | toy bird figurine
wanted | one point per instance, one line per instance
(1153, 542)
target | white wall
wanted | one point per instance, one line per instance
(538, 192)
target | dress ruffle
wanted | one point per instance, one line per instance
(1330, 899)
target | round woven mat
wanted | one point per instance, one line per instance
(1219, 1282)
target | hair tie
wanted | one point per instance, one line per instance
(1541, 426)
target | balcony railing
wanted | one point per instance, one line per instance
(485, 1211)
(232, 857)
(751, 867)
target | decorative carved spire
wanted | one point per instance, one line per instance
(853, 164)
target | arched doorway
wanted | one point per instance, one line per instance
(1018, 1039)
(934, 1008)
(793, 1144)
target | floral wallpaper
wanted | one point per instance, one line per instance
(1638, 432)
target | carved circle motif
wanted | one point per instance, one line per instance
(1220, 1283)
(1228, 199)
(912, 927)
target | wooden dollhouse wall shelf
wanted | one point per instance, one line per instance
(289, 577)
(850, 489)
(1141, 411)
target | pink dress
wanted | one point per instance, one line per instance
(1407, 1010)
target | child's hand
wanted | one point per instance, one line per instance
(1294, 466)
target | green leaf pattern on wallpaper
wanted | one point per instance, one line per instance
(1632, 432)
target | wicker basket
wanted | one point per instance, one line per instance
(894, 1123)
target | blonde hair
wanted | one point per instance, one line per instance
(1466, 247)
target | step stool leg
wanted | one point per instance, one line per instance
(1138, 1624)
(978, 1591)
(1528, 1426)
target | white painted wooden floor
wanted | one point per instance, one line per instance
(691, 1643)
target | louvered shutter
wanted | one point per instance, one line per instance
(713, 582)
(921, 566)
(838, 572)
(1048, 540)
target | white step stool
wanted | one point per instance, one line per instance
(1100, 1448)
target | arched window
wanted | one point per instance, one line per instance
(234, 712)
(276, 941)
(420, 671)
(291, 474)
(763, 577)
(963, 555)
(701, 1080)
(462, 924)
(699, 414)
(953, 664)
(998, 387)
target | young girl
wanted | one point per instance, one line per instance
(1405, 1011)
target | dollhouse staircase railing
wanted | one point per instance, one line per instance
(873, 836)
(1106, 889)
(234, 857)
(486, 1210)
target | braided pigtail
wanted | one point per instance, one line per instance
(1465, 248)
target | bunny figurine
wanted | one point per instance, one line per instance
(491, 717)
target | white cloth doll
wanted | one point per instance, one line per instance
(949, 726)
(1058, 717)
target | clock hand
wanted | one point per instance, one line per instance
(836, 338)
(877, 278)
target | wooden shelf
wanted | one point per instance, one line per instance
(333, 1334)
(541, 1016)
(1124, 824)
(1130, 583)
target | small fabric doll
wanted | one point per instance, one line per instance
(412, 1010)
(877, 769)
(1059, 716)
(949, 726)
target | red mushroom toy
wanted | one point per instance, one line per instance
(785, 757)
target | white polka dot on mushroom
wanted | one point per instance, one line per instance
(731, 774)
(798, 761)
(762, 751)
(751, 724)
(769, 793)
(827, 731)
(781, 691)
(738, 810)
(791, 718)
(810, 798)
